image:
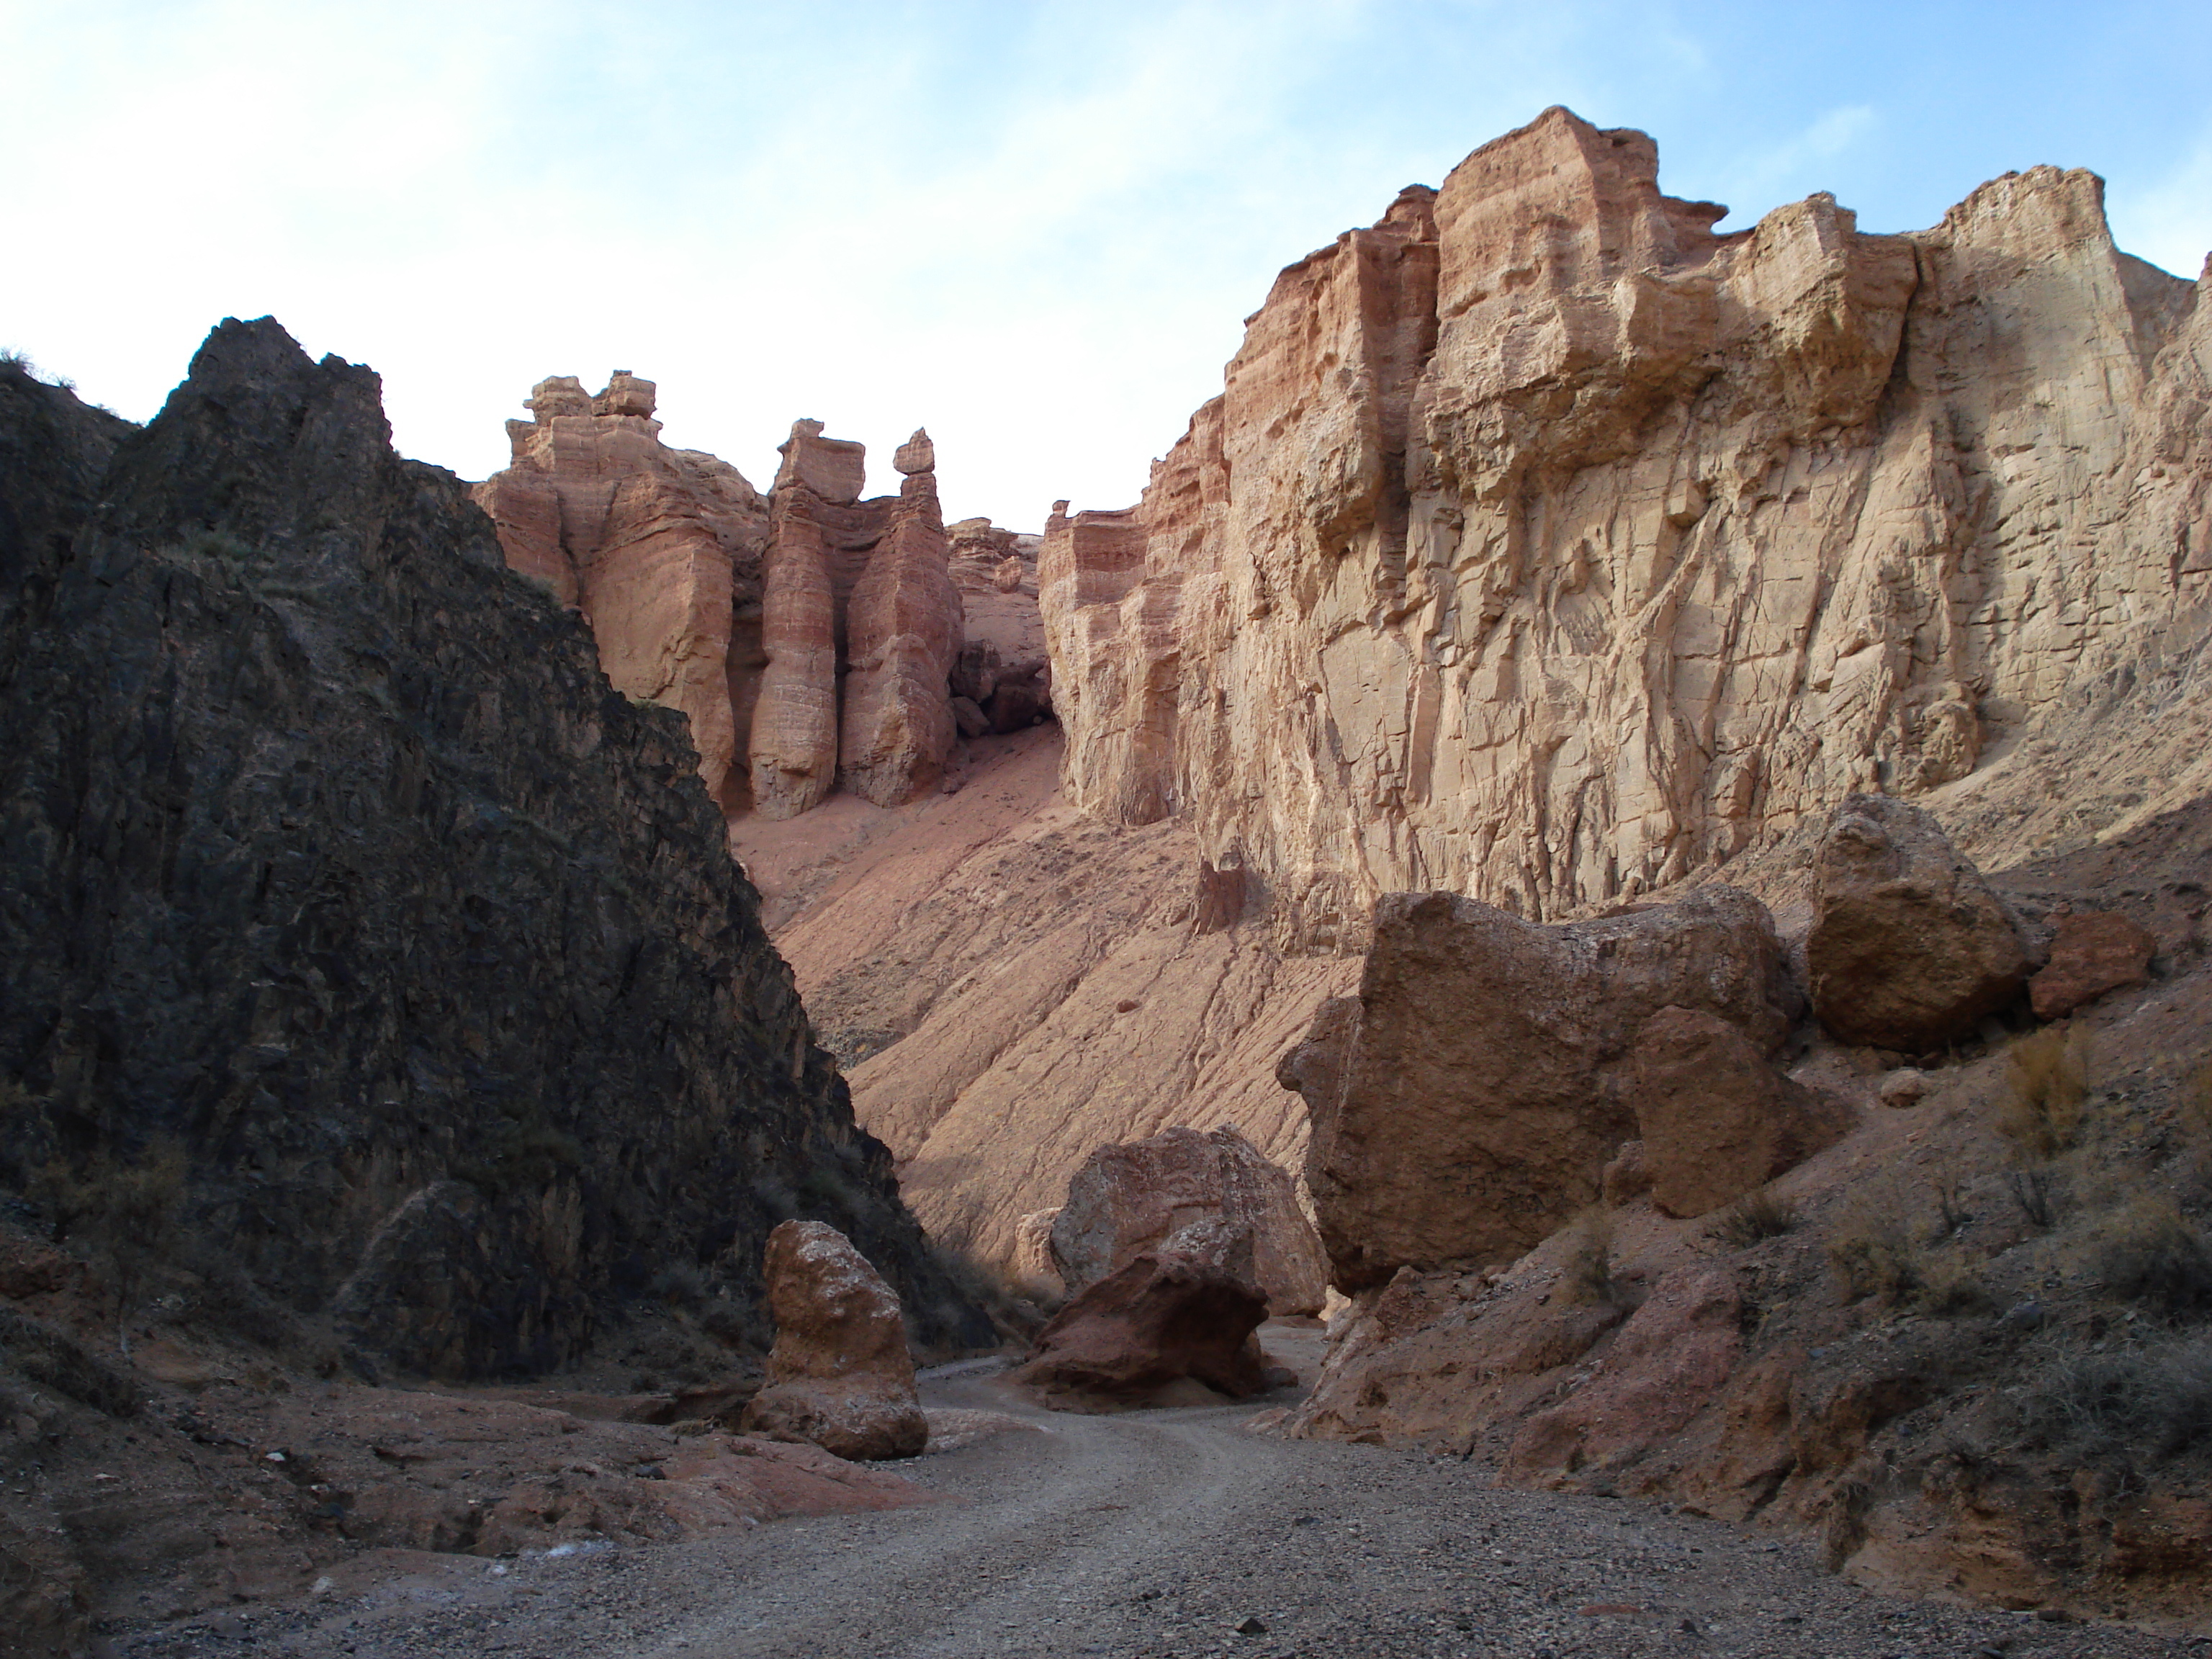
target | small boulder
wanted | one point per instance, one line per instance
(2094, 951)
(839, 1374)
(1143, 1195)
(1162, 1318)
(1627, 1177)
(972, 722)
(1905, 1088)
(1909, 947)
(1718, 1120)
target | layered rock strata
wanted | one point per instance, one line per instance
(1546, 546)
(808, 636)
(659, 547)
(339, 874)
(860, 624)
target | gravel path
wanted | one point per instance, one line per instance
(1157, 1534)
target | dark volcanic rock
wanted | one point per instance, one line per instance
(328, 855)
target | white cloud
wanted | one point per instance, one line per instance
(2170, 222)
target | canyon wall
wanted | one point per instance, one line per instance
(341, 882)
(1546, 547)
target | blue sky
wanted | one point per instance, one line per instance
(1033, 229)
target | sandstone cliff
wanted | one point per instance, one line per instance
(808, 636)
(1545, 547)
(337, 873)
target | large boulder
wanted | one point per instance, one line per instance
(1716, 1119)
(1138, 1196)
(2094, 951)
(1164, 1317)
(1465, 1104)
(1909, 947)
(839, 1374)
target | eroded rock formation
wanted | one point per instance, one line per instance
(839, 1374)
(1163, 1316)
(1545, 545)
(1142, 1195)
(659, 547)
(808, 635)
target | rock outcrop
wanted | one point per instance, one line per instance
(1140, 1196)
(860, 614)
(1546, 546)
(659, 547)
(1909, 947)
(1465, 1104)
(808, 636)
(1161, 1318)
(2092, 952)
(341, 881)
(839, 1374)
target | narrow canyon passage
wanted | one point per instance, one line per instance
(1173, 1532)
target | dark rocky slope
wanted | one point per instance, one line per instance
(362, 951)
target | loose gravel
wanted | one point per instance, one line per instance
(1161, 1534)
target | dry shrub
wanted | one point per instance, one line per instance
(1873, 1253)
(2038, 1193)
(2154, 1399)
(1586, 1269)
(1953, 1289)
(1758, 1215)
(2045, 1090)
(2155, 1257)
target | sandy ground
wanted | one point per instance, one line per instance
(1153, 1534)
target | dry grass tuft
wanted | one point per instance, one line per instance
(2041, 1111)
(2154, 1399)
(1874, 1252)
(2155, 1257)
(1586, 1270)
(1758, 1215)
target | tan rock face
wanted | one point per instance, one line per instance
(859, 612)
(1909, 947)
(661, 549)
(1162, 1318)
(1467, 1102)
(1129, 1199)
(1545, 546)
(839, 1374)
(1716, 1119)
(2094, 951)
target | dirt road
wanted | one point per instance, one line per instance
(1165, 1533)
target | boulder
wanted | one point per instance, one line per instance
(1139, 1196)
(2093, 951)
(839, 1374)
(1909, 947)
(1717, 1120)
(1465, 1104)
(1162, 1318)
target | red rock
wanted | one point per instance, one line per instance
(2094, 951)
(1465, 1104)
(839, 1374)
(1141, 1197)
(1157, 1321)
(1909, 947)
(1718, 1120)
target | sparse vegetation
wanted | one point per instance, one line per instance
(2155, 1257)
(2154, 1399)
(1875, 1254)
(1952, 1289)
(1586, 1270)
(2038, 1193)
(2047, 1089)
(1760, 1214)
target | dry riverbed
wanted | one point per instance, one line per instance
(1155, 1534)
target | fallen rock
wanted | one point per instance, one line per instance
(2093, 951)
(1716, 1119)
(1627, 1178)
(1135, 1197)
(1905, 1087)
(839, 1374)
(1909, 947)
(1159, 1320)
(1465, 1104)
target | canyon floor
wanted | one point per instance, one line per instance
(1151, 1534)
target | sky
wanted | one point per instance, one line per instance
(1034, 228)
